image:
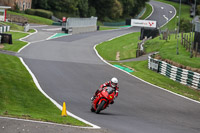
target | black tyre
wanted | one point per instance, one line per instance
(92, 109)
(100, 107)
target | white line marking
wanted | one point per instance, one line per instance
(39, 87)
(139, 78)
(21, 39)
(39, 26)
(171, 17)
(162, 7)
(165, 17)
(49, 38)
(41, 122)
(53, 29)
(151, 12)
(52, 100)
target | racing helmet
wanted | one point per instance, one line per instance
(114, 82)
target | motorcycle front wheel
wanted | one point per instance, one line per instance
(100, 107)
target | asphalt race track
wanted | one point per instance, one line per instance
(69, 70)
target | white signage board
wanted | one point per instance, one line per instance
(2, 15)
(143, 23)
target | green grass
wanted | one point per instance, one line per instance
(126, 45)
(106, 28)
(33, 19)
(13, 26)
(142, 71)
(147, 12)
(19, 97)
(17, 44)
(185, 13)
(167, 50)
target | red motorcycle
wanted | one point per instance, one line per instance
(103, 99)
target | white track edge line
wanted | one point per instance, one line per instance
(21, 39)
(42, 122)
(39, 87)
(137, 77)
(53, 101)
(170, 18)
(151, 12)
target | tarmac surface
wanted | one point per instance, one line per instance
(69, 70)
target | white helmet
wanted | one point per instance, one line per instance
(114, 82)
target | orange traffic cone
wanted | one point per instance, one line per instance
(64, 111)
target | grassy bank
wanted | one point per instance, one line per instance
(142, 71)
(17, 44)
(125, 45)
(147, 12)
(19, 97)
(33, 19)
(167, 50)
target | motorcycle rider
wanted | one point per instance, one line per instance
(113, 83)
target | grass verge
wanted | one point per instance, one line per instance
(142, 71)
(19, 97)
(126, 45)
(107, 28)
(17, 44)
(147, 12)
(167, 50)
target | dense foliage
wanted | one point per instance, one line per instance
(103, 9)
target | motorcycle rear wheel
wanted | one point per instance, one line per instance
(100, 107)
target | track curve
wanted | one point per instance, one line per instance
(68, 70)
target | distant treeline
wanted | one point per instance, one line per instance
(103, 9)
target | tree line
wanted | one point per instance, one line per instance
(103, 9)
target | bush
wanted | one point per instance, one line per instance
(43, 13)
(198, 9)
(39, 12)
(30, 11)
(185, 25)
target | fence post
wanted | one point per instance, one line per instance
(184, 40)
(196, 50)
(189, 44)
(181, 38)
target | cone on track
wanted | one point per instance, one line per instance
(64, 111)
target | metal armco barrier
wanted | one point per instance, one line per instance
(4, 28)
(183, 76)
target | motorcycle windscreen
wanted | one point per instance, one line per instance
(109, 90)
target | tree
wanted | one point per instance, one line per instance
(128, 5)
(83, 8)
(103, 7)
(116, 10)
